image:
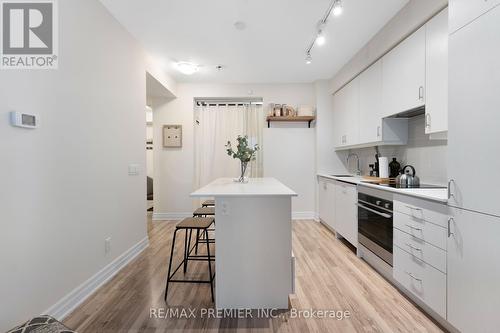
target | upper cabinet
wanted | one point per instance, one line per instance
(404, 75)
(345, 114)
(411, 76)
(436, 74)
(370, 103)
(462, 12)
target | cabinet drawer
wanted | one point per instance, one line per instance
(421, 229)
(421, 209)
(426, 252)
(422, 280)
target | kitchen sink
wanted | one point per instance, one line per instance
(342, 175)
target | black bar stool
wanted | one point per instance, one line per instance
(189, 224)
(203, 212)
(208, 203)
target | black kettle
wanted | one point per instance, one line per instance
(407, 179)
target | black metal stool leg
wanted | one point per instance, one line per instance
(186, 250)
(170, 264)
(210, 270)
(197, 237)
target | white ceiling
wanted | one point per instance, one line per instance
(272, 47)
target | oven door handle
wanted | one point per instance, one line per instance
(387, 216)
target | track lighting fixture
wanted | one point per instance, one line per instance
(335, 8)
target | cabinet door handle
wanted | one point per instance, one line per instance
(451, 181)
(413, 277)
(421, 93)
(451, 219)
(427, 120)
(378, 131)
(413, 247)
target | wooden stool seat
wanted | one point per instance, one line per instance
(195, 223)
(208, 203)
(204, 211)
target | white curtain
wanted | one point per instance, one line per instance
(214, 127)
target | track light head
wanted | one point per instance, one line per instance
(308, 58)
(337, 8)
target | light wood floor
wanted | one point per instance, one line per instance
(329, 277)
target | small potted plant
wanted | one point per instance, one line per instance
(244, 153)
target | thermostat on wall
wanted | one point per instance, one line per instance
(24, 120)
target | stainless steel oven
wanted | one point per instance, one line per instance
(375, 223)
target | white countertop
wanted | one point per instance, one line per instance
(434, 194)
(254, 187)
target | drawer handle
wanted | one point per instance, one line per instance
(414, 208)
(413, 247)
(413, 277)
(414, 228)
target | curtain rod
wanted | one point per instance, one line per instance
(230, 100)
(227, 103)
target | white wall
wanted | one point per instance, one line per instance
(174, 167)
(408, 19)
(289, 156)
(65, 186)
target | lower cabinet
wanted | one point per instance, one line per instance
(327, 201)
(420, 250)
(473, 271)
(421, 279)
(346, 212)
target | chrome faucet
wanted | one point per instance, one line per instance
(358, 171)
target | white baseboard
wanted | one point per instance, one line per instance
(76, 297)
(170, 216)
(303, 215)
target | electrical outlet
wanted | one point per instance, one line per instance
(224, 208)
(107, 245)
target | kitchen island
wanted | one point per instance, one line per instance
(253, 266)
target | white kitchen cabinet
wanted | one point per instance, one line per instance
(370, 104)
(474, 272)
(436, 78)
(346, 113)
(360, 123)
(346, 212)
(327, 201)
(404, 75)
(421, 279)
(463, 12)
(474, 116)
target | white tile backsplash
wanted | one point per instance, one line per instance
(427, 156)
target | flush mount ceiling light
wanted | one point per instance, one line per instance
(186, 68)
(335, 7)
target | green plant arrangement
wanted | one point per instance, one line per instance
(244, 153)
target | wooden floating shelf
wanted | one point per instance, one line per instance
(307, 119)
